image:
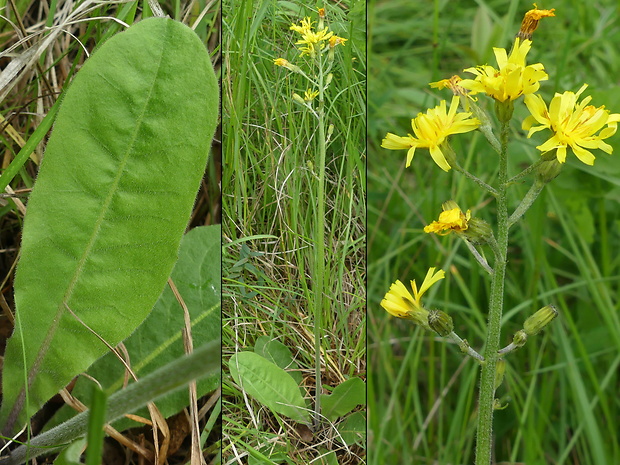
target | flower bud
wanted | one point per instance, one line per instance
(497, 405)
(330, 132)
(520, 338)
(549, 168)
(500, 369)
(328, 79)
(287, 64)
(440, 322)
(298, 99)
(485, 122)
(534, 324)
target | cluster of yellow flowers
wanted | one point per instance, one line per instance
(313, 42)
(573, 123)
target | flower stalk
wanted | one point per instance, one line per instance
(319, 46)
(487, 378)
(319, 245)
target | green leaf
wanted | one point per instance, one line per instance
(71, 455)
(269, 384)
(327, 457)
(110, 205)
(278, 353)
(203, 361)
(159, 339)
(96, 423)
(346, 397)
(353, 429)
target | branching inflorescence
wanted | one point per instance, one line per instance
(573, 124)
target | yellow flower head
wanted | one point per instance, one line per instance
(530, 21)
(399, 302)
(286, 64)
(431, 130)
(452, 84)
(335, 40)
(321, 12)
(310, 94)
(450, 219)
(573, 124)
(512, 78)
(313, 41)
(306, 26)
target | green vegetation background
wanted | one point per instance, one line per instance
(269, 209)
(560, 389)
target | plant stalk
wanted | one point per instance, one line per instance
(319, 246)
(484, 436)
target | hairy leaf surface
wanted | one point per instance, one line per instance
(110, 205)
(159, 340)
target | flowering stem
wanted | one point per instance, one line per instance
(319, 245)
(487, 379)
(465, 348)
(479, 257)
(509, 348)
(527, 202)
(477, 180)
(526, 171)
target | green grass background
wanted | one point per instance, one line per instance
(269, 211)
(561, 388)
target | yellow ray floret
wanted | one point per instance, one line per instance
(573, 124)
(431, 130)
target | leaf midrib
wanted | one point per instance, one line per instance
(95, 234)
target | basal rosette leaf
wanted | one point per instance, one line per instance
(110, 205)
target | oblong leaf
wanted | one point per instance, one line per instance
(345, 397)
(159, 340)
(269, 384)
(279, 354)
(110, 205)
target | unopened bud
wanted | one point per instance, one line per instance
(298, 99)
(497, 405)
(328, 79)
(549, 168)
(440, 322)
(535, 324)
(520, 338)
(330, 131)
(287, 64)
(500, 369)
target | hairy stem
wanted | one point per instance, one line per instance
(319, 245)
(484, 436)
(203, 361)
